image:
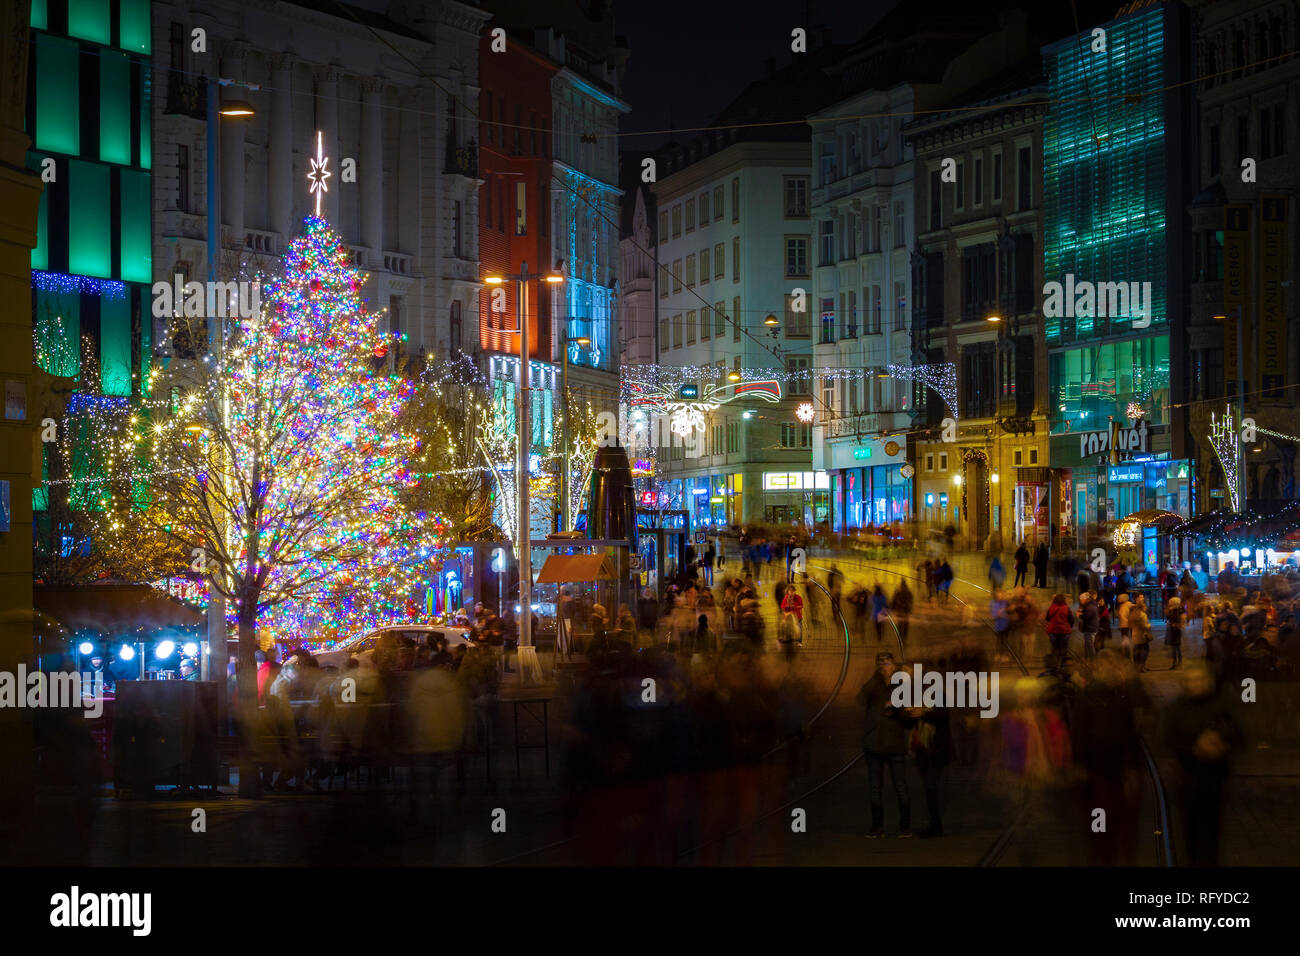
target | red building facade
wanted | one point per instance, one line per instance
(514, 199)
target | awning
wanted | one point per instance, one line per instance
(575, 568)
(1220, 521)
(115, 608)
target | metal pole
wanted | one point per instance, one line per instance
(216, 622)
(564, 472)
(529, 669)
(1241, 410)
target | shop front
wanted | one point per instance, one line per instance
(867, 485)
(1108, 475)
(796, 497)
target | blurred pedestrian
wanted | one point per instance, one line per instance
(1040, 566)
(1021, 565)
(1140, 632)
(884, 744)
(1059, 621)
(1174, 620)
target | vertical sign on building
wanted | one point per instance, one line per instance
(1272, 306)
(1236, 286)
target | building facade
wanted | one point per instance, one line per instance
(89, 109)
(731, 255)
(1246, 249)
(1116, 188)
(978, 272)
(394, 127)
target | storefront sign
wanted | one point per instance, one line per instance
(795, 480)
(861, 454)
(1127, 440)
(1131, 473)
(891, 448)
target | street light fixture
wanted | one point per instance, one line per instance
(529, 668)
(733, 376)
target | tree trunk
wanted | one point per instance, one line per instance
(246, 714)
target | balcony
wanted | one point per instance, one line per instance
(827, 336)
(186, 96)
(851, 331)
(260, 242)
(855, 425)
(462, 160)
(397, 263)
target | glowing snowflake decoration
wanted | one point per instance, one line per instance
(805, 412)
(319, 172)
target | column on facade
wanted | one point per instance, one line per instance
(372, 170)
(280, 184)
(232, 159)
(327, 123)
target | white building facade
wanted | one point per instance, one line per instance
(734, 245)
(397, 110)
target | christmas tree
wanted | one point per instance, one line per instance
(279, 462)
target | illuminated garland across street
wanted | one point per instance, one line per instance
(941, 378)
(1227, 445)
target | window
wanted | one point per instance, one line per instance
(735, 259)
(871, 299)
(1272, 132)
(796, 197)
(677, 221)
(1033, 456)
(977, 186)
(900, 224)
(797, 324)
(733, 437)
(1024, 178)
(704, 265)
(719, 319)
(851, 236)
(900, 306)
(959, 202)
(704, 209)
(943, 461)
(677, 331)
(929, 462)
(677, 275)
(456, 228)
(516, 146)
(736, 319)
(532, 132)
(690, 215)
(665, 281)
(717, 440)
(665, 330)
(997, 177)
(827, 235)
(873, 241)
(719, 260)
(977, 263)
(796, 435)
(183, 178)
(690, 327)
(706, 324)
(977, 372)
(521, 209)
(1019, 457)
(796, 257)
(798, 376)
(690, 271)
(735, 199)
(663, 227)
(1243, 138)
(936, 200)
(717, 203)
(1215, 147)
(828, 393)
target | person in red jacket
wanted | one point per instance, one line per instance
(792, 604)
(1060, 622)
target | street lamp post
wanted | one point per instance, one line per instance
(216, 623)
(530, 671)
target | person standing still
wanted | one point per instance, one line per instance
(1022, 565)
(1040, 566)
(884, 744)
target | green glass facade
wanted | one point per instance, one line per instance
(88, 111)
(1104, 197)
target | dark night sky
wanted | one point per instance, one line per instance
(690, 58)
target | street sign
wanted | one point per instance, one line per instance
(907, 471)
